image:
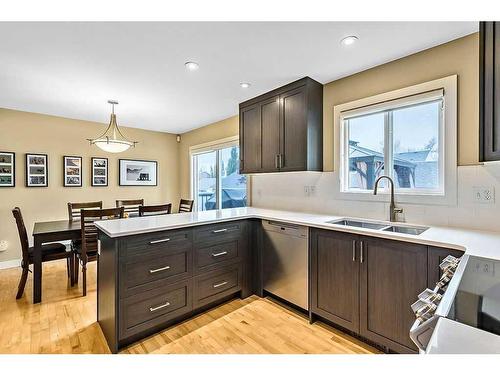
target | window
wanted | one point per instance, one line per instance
(402, 142)
(400, 134)
(216, 182)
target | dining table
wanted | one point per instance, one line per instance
(46, 232)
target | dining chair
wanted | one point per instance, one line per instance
(86, 251)
(186, 205)
(131, 206)
(162, 209)
(50, 251)
(75, 208)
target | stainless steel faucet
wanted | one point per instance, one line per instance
(392, 208)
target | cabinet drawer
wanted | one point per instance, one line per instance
(144, 244)
(210, 234)
(142, 273)
(206, 256)
(146, 310)
(217, 284)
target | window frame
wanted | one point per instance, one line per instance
(406, 97)
(206, 148)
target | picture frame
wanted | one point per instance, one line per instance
(37, 170)
(137, 172)
(72, 171)
(99, 174)
(7, 169)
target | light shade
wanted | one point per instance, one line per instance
(112, 140)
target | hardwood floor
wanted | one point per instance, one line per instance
(65, 322)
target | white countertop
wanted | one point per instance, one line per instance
(450, 337)
(474, 242)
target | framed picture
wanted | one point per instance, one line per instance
(7, 169)
(99, 172)
(72, 171)
(37, 170)
(138, 172)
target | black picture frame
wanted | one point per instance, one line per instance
(4, 175)
(123, 180)
(93, 169)
(29, 176)
(68, 178)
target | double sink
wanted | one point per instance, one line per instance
(405, 229)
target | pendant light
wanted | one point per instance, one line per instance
(112, 140)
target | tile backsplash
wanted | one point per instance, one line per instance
(287, 191)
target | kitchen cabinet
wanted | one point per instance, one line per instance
(282, 130)
(367, 285)
(335, 278)
(435, 256)
(392, 274)
(489, 91)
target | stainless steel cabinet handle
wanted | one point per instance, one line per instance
(281, 160)
(361, 255)
(160, 269)
(166, 304)
(219, 254)
(220, 284)
(277, 161)
(353, 250)
(219, 230)
(159, 241)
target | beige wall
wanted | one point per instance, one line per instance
(23, 132)
(218, 130)
(460, 57)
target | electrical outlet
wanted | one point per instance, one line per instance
(484, 267)
(4, 245)
(484, 194)
(309, 190)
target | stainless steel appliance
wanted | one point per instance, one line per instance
(468, 293)
(285, 262)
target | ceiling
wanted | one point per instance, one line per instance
(71, 69)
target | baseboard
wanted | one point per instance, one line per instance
(10, 264)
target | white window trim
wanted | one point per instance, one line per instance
(448, 141)
(208, 147)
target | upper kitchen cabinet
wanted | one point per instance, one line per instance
(282, 130)
(489, 91)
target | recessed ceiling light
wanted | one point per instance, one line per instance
(245, 85)
(191, 65)
(348, 40)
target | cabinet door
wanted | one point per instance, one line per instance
(250, 139)
(335, 278)
(489, 123)
(391, 276)
(435, 257)
(270, 117)
(293, 109)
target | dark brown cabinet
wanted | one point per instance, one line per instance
(489, 91)
(283, 130)
(392, 274)
(367, 285)
(335, 278)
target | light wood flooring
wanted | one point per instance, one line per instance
(65, 322)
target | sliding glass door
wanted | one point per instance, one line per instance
(216, 180)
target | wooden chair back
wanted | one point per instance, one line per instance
(74, 209)
(23, 235)
(131, 206)
(89, 231)
(162, 209)
(186, 205)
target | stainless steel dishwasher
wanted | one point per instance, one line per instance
(285, 262)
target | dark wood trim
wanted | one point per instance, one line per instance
(13, 154)
(64, 170)
(147, 161)
(92, 171)
(27, 155)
